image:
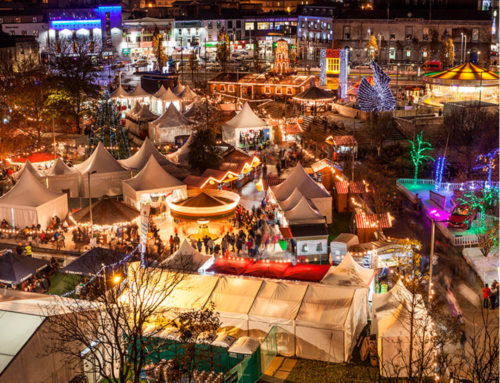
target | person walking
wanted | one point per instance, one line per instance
(177, 242)
(463, 341)
(19, 249)
(205, 242)
(232, 241)
(486, 295)
(210, 245)
(29, 251)
(493, 295)
(199, 244)
(171, 244)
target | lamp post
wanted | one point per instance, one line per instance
(90, 202)
(461, 47)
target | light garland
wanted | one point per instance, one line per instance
(439, 168)
(489, 164)
(417, 155)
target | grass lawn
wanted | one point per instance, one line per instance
(339, 225)
(62, 283)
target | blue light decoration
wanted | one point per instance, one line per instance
(487, 163)
(322, 67)
(376, 98)
(438, 172)
(344, 64)
(75, 24)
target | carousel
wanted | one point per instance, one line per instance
(314, 100)
(466, 82)
(196, 209)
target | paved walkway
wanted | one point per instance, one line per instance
(279, 370)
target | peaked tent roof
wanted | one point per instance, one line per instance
(168, 96)
(120, 92)
(299, 179)
(303, 213)
(142, 156)
(291, 201)
(194, 111)
(202, 200)
(246, 119)
(138, 92)
(187, 94)
(179, 88)
(395, 324)
(160, 92)
(107, 211)
(171, 118)
(90, 262)
(28, 166)
(59, 168)
(180, 156)
(15, 268)
(393, 298)
(100, 161)
(134, 110)
(464, 74)
(145, 114)
(349, 273)
(186, 258)
(314, 94)
(153, 176)
(28, 191)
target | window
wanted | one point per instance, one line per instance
(230, 24)
(278, 90)
(392, 54)
(238, 24)
(302, 24)
(35, 32)
(35, 19)
(210, 26)
(18, 19)
(267, 90)
(197, 31)
(289, 91)
(222, 88)
(392, 37)
(409, 33)
(230, 88)
(333, 65)
(249, 26)
(264, 26)
(24, 33)
(408, 53)
(475, 35)
(426, 34)
(347, 32)
(218, 25)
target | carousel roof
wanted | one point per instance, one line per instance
(120, 92)
(465, 74)
(138, 92)
(313, 94)
(246, 119)
(143, 155)
(171, 118)
(145, 114)
(168, 96)
(202, 200)
(179, 88)
(187, 94)
(152, 177)
(160, 92)
(107, 211)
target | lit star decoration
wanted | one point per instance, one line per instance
(487, 163)
(379, 96)
(417, 153)
(438, 170)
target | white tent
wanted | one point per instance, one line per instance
(142, 156)
(349, 273)
(30, 203)
(186, 259)
(291, 201)
(310, 189)
(134, 110)
(339, 246)
(139, 93)
(166, 99)
(151, 181)
(245, 120)
(106, 174)
(140, 119)
(171, 124)
(180, 156)
(178, 88)
(187, 94)
(120, 94)
(303, 214)
(61, 178)
(28, 166)
(160, 92)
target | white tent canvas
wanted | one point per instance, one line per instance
(139, 93)
(291, 201)
(134, 110)
(62, 179)
(246, 119)
(120, 94)
(180, 156)
(28, 166)
(166, 99)
(349, 273)
(138, 122)
(178, 88)
(152, 179)
(106, 174)
(143, 155)
(171, 124)
(30, 203)
(303, 214)
(186, 259)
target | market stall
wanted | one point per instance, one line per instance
(120, 96)
(165, 100)
(61, 178)
(246, 128)
(15, 268)
(180, 156)
(314, 100)
(28, 167)
(169, 125)
(140, 95)
(138, 122)
(187, 259)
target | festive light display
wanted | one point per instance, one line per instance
(488, 163)
(417, 155)
(344, 59)
(438, 170)
(108, 130)
(379, 96)
(322, 67)
(482, 201)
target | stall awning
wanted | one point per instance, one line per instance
(231, 265)
(306, 273)
(267, 269)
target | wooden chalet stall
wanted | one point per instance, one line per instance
(366, 225)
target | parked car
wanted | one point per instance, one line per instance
(118, 65)
(462, 217)
(140, 63)
(98, 67)
(431, 66)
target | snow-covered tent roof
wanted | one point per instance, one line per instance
(349, 273)
(153, 177)
(180, 156)
(168, 96)
(138, 92)
(145, 114)
(303, 213)
(101, 161)
(299, 179)
(171, 118)
(59, 168)
(291, 201)
(186, 258)
(134, 110)
(120, 92)
(246, 119)
(28, 166)
(187, 94)
(160, 92)
(142, 156)
(178, 88)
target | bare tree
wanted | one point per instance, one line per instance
(377, 129)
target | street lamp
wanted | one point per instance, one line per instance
(90, 202)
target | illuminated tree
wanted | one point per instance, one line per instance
(482, 200)
(447, 51)
(487, 162)
(256, 62)
(159, 50)
(372, 47)
(223, 52)
(417, 153)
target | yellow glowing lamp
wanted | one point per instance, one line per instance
(260, 185)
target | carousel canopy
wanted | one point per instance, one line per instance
(187, 94)
(202, 200)
(100, 162)
(28, 167)
(168, 96)
(246, 119)
(15, 268)
(171, 118)
(179, 88)
(141, 158)
(138, 92)
(186, 258)
(299, 179)
(145, 114)
(314, 94)
(107, 211)
(463, 75)
(59, 168)
(153, 177)
(120, 92)
(134, 110)
(160, 92)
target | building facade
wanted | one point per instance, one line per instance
(19, 48)
(138, 37)
(26, 23)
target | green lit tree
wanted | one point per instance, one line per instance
(108, 129)
(417, 153)
(483, 200)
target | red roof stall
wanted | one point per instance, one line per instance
(230, 265)
(267, 269)
(306, 273)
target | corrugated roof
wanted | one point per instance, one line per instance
(342, 187)
(370, 221)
